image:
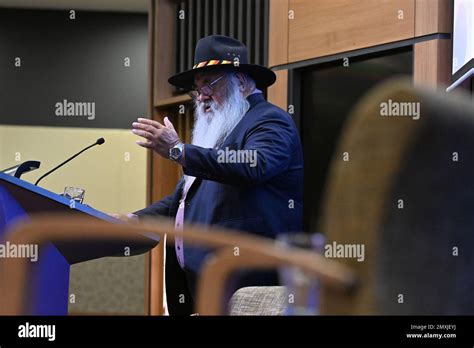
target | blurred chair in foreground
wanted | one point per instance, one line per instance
(255, 252)
(403, 187)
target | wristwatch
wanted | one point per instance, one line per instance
(176, 152)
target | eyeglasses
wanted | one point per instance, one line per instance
(205, 90)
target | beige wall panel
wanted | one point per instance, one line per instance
(113, 174)
(325, 27)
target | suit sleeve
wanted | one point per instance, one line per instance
(269, 146)
(163, 206)
(158, 208)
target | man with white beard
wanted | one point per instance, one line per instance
(257, 187)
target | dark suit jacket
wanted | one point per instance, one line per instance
(265, 199)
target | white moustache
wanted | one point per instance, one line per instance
(202, 106)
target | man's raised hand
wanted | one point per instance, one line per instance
(156, 136)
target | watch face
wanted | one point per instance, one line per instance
(175, 153)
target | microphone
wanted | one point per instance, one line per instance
(99, 141)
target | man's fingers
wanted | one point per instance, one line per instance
(144, 134)
(125, 217)
(168, 123)
(145, 127)
(156, 136)
(153, 123)
(148, 144)
(132, 216)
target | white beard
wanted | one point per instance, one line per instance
(212, 128)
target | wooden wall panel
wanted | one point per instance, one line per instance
(151, 45)
(432, 63)
(278, 92)
(163, 58)
(432, 59)
(433, 16)
(325, 27)
(164, 173)
(278, 33)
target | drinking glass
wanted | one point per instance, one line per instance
(74, 193)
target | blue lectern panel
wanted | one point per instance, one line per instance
(49, 280)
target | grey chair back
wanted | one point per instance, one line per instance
(403, 187)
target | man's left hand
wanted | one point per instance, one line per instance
(158, 137)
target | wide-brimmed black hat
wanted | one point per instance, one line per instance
(218, 52)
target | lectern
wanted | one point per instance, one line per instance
(48, 279)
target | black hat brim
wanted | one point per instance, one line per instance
(263, 76)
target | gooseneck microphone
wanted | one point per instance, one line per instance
(99, 141)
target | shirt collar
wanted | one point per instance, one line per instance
(255, 97)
